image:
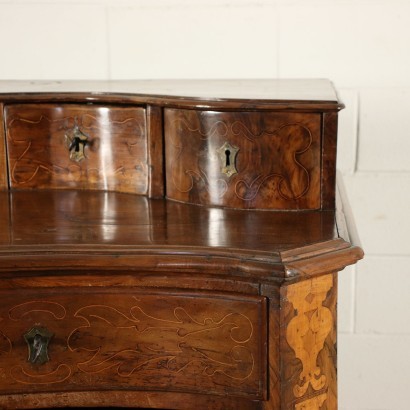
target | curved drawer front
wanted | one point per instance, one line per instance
(77, 146)
(266, 160)
(133, 340)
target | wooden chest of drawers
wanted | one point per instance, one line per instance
(170, 245)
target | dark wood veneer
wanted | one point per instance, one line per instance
(152, 273)
(277, 164)
(38, 139)
(3, 156)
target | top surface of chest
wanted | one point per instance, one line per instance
(318, 92)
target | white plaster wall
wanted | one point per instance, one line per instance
(362, 45)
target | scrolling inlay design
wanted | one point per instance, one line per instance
(144, 342)
(297, 136)
(38, 148)
(196, 158)
(218, 129)
(122, 338)
(308, 330)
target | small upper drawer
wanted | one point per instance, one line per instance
(268, 160)
(77, 146)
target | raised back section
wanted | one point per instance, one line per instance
(238, 144)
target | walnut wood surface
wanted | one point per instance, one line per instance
(3, 157)
(115, 153)
(120, 231)
(138, 340)
(155, 152)
(84, 218)
(329, 147)
(161, 283)
(308, 344)
(278, 161)
(128, 399)
(297, 94)
(274, 362)
(286, 157)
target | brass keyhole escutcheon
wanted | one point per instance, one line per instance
(37, 339)
(227, 155)
(77, 141)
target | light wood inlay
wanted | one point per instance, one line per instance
(312, 404)
(308, 318)
(277, 159)
(181, 342)
(170, 244)
(39, 138)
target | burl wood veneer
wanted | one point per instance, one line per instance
(170, 244)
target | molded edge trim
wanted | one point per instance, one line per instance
(256, 266)
(224, 104)
(334, 261)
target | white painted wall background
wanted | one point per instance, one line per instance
(362, 45)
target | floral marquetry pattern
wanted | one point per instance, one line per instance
(310, 333)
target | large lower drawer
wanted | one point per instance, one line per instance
(83, 339)
(77, 146)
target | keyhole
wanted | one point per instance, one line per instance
(228, 157)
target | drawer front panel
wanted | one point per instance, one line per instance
(133, 340)
(77, 146)
(261, 160)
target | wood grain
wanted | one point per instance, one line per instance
(278, 159)
(136, 340)
(308, 344)
(155, 149)
(3, 156)
(293, 94)
(179, 241)
(102, 231)
(116, 151)
(5, 238)
(112, 399)
(329, 150)
(275, 362)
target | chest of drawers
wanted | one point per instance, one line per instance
(170, 244)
